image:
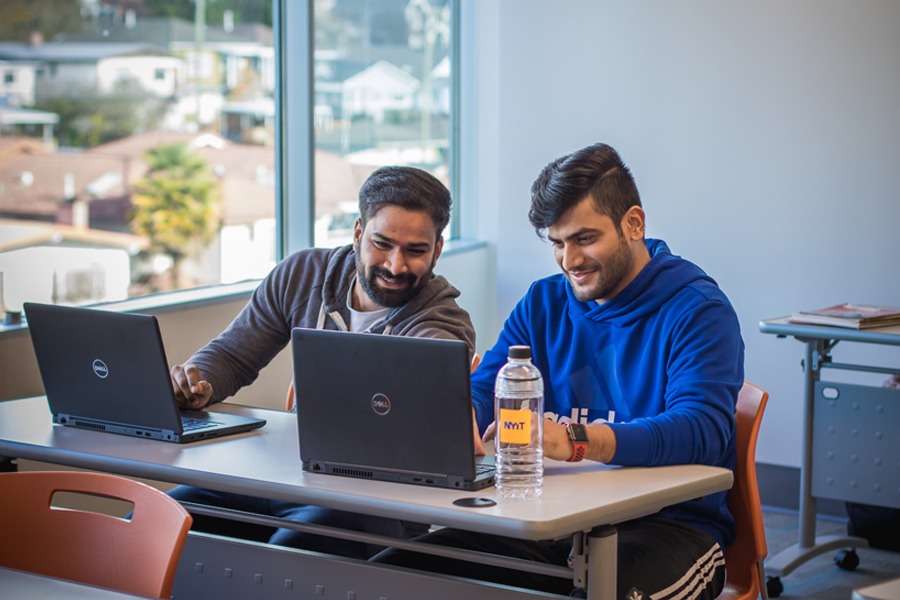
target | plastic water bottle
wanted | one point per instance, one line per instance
(519, 439)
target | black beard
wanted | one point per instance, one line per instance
(389, 298)
(611, 274)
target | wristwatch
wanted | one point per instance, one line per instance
(579, 438)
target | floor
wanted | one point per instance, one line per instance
(820, 578)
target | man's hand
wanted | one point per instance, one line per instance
(489, 432)
(191, 390)
(556, 441)
(479, 447)
(601, 442)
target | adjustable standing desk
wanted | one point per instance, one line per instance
(266, 462)
(850, 435)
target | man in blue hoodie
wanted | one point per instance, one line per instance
(642, 360)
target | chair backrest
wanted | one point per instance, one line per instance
(743, 558)
(289, 402)
(138, 556)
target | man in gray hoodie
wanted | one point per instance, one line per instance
(383, 283)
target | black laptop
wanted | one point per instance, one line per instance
(387, 407)
(107, 371)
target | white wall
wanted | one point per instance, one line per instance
(764, 137)
(142, 69)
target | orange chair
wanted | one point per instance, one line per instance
(744, 571)
(138, 556)
(289, 404)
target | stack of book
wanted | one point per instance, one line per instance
(853, 316)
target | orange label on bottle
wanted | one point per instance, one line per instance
(514, 426)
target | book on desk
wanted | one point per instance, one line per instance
(851, 316)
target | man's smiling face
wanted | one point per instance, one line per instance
(597, 258)
(395, 255)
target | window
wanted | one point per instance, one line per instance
(95, 222)
(370, 84)
(9, 77)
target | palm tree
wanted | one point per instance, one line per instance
(176, 204)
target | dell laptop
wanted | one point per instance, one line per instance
(107, 371)
(385, 407)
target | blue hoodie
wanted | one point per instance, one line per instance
(662, 362)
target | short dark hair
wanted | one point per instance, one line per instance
(597, 171)
(406, 187)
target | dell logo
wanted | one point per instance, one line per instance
(100, 369)
(381, 404)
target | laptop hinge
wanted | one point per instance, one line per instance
(382, 473)
(332, 465)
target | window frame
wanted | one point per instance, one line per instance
(293, 24)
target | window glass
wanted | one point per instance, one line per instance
(137, 147)
(382, 97)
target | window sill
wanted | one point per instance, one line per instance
(157, 304)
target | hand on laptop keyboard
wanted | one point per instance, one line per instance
(479, 446)
(191, 390)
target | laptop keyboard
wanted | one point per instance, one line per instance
(481, 469)
(190, 425)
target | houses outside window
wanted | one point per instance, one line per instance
(102, 215)
(379, 69)
(137, 115)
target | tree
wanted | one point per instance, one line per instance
(88, 117)
(176, 204)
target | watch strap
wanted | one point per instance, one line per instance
(578, 437)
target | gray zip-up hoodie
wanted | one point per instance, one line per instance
(309, 289)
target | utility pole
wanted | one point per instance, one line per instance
(199, 38)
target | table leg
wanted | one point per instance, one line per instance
(808, 545)
(807, 501)
(603, 544)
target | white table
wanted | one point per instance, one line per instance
(266, 462)
(19, 584)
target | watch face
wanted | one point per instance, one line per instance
(577, 432)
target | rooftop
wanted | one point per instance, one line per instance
(76, 51)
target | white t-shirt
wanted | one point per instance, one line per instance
(362, 320)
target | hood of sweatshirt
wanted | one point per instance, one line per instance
(666, 274)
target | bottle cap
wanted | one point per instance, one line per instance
(520, 351)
